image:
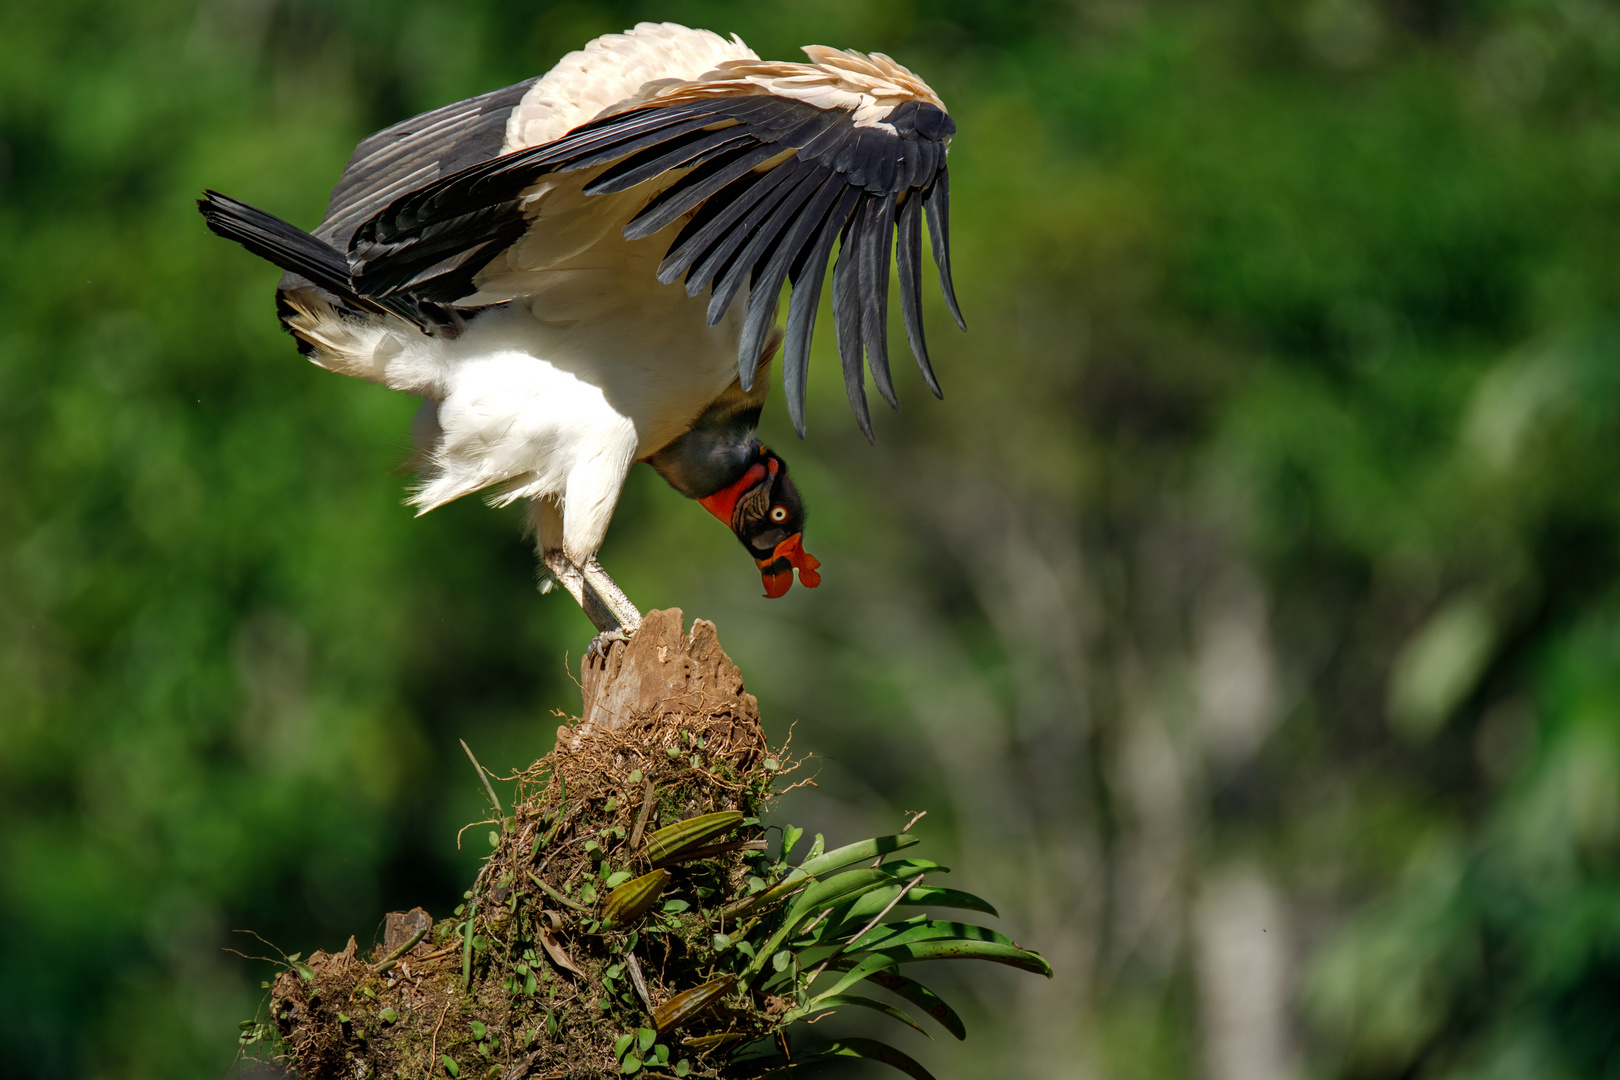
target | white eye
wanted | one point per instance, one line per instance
(779, 514)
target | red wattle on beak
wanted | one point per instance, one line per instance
(777, 571)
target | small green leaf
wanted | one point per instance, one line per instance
(779, 962)
(645, 1037)
(529, 983)
(388, 1016)
(675, 907)
(661, 1054)
(631, 1064)
(720, 942)
(612, 804)
(494, 838)
(343, 1018)
(771, 765)
(633, 899)
(553, 1025)
(450, 1065)
(816, 848)
(617, 878)
(634, 777)
(479, 1030)
(746, 949)
(623, 1044)
(682, 1067)
(293, 959)
(673, 751)
(790, 836)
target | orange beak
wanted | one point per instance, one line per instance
(777, 571)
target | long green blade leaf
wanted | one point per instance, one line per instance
(870, 1049)
(924, 998)
(864, 967)
(861, 851)
(839, 1000)
(930, 896)
(854, 882)
(904, 933)
(965, 950)
(862, 910)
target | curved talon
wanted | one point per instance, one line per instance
(603, 643)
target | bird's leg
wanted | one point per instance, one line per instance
(606, 591)
(598, 595)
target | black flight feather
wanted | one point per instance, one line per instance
(698, 185)
(661, 158)
(767, 192)
(937, 201)
(847, 319)
(788, 238)
(908, 264)
(872, 244)
(787, 198)
(807, 275)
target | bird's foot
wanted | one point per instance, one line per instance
(603, 643)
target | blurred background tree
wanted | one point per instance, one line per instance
(1247, 614)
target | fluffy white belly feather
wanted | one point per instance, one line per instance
(553, 397)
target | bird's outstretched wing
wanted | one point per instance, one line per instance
(416, 152)
(771, 171)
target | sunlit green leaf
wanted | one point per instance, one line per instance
(861, 851)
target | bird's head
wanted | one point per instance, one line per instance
(764, 509)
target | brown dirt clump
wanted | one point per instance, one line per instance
(533, 976)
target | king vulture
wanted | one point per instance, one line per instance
(582, 271)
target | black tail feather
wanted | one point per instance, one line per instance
(294, 250)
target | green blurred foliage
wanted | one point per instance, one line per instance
(1269, 533)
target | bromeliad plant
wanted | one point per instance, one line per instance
(807, 940)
